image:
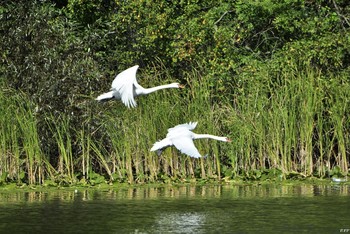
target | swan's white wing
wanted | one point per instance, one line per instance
(105, 96)
(161, 144)
(124, 84)
(181, 137)
(187, 126)
(186, 146)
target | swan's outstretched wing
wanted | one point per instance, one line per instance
(105, 96)
(181, 137)
(161, 144)
(186, 146)
(124, 84)
(187, 126)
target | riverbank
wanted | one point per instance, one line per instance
(11, 187)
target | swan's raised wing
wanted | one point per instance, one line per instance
(187, 126)
(124, 84)
(186, 146)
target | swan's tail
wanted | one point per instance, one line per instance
(105, 97)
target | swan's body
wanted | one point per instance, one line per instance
(182, 138)
(126, 88)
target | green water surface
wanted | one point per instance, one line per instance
(180, 209)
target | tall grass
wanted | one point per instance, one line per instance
(293, 122)
(60, 128)
(131, 133)
(22, 159)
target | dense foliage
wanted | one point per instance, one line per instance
(273, 75)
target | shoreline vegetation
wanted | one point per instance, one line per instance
(308, 185)
(278, 86)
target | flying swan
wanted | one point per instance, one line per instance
(126, 88)
(182, 138)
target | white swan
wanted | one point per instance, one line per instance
(182, 138)
(126, 88)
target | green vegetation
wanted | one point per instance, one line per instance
(271, 75)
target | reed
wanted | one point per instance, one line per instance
(338, 103)
(20, 146)
(293, 121)
(131, 133)
(85, 145)
(9, 150)
(61, 131)
(286, 123)
(274, 127)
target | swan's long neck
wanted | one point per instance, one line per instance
(153, 89)
(199, 136)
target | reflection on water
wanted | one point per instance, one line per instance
(207, 191)
(179, 209)
(179, 222)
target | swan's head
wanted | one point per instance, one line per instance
(221, 138)
(227, 139)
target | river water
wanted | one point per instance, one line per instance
(179, 209)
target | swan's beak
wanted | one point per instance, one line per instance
(228, 139)
(181, 86)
